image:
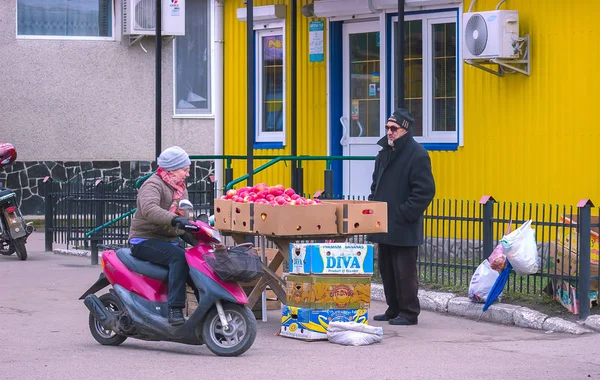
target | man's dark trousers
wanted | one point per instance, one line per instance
(398, 269)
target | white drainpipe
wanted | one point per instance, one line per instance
(218, 90)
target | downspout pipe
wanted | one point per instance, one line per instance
(400, 55)
(158, 82)
(251, 90)
(217, 75)
(294, 95)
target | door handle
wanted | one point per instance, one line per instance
(344, 139)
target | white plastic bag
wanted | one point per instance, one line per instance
(522, 252)
(482, 281)
(353, 334)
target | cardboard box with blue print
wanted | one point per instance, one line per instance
(331, 258)
(312, 324)
(328, 292)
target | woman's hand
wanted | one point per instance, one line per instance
(180, 222)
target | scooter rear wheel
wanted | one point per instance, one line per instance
(239, 336)
(104, 336)
(20, 248)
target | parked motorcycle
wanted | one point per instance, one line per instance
(14, 231)
(136, 305)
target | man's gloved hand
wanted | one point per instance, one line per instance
(180, 222)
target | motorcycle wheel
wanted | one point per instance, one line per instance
(238, 338)
(103, 336)
(6, 248)
(20, 248)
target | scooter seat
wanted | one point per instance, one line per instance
(142, 267)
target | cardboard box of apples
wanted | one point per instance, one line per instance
(276, 210)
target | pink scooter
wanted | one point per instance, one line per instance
(136, 305)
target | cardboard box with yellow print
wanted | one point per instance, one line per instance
(312, 324)
(328, 292)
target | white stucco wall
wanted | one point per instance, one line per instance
(88, 100)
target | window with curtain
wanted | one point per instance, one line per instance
(271, 86)
(430, 72)
(65, 18)
(192, 62)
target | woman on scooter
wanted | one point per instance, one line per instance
(158, 223)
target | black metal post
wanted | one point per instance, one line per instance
(158, 75)
(250, 52)
(328, 178)
(49, 214)
(583, 281)
(400, 55)
(293, 97)
(99, 200)
(228, 176)
(299, 180)
(488, 226)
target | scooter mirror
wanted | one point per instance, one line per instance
(203, 218)
(185, 204)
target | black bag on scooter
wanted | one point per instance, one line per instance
(239, 263)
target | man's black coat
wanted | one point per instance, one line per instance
(403, 178)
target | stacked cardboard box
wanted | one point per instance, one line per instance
(564, 260)
(327, 282)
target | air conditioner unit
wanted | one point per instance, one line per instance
(139, 17)
(341, 8)
(393, 4)
(491, 34)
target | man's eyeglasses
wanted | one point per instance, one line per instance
(393, 128)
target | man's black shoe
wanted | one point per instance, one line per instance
(382, 317)
(176, 316)
(401, 321)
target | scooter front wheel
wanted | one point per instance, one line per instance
(104, 336)
(239, 335)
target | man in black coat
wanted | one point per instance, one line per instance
(402, 178)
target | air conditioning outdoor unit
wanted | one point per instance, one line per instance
(492, 34)
(139, 17)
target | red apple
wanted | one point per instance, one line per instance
(280, 187)
(269, 197)
(261, 194)
(289, 191)
(294, 196)
(261, 187)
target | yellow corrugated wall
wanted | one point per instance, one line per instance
(311, 100)
(526, 139)
(532, 138)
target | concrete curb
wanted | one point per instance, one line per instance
(500, 313)
(450, 303)
(75, 252)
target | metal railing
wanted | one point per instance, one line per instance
(84, 212)
(459, 234)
